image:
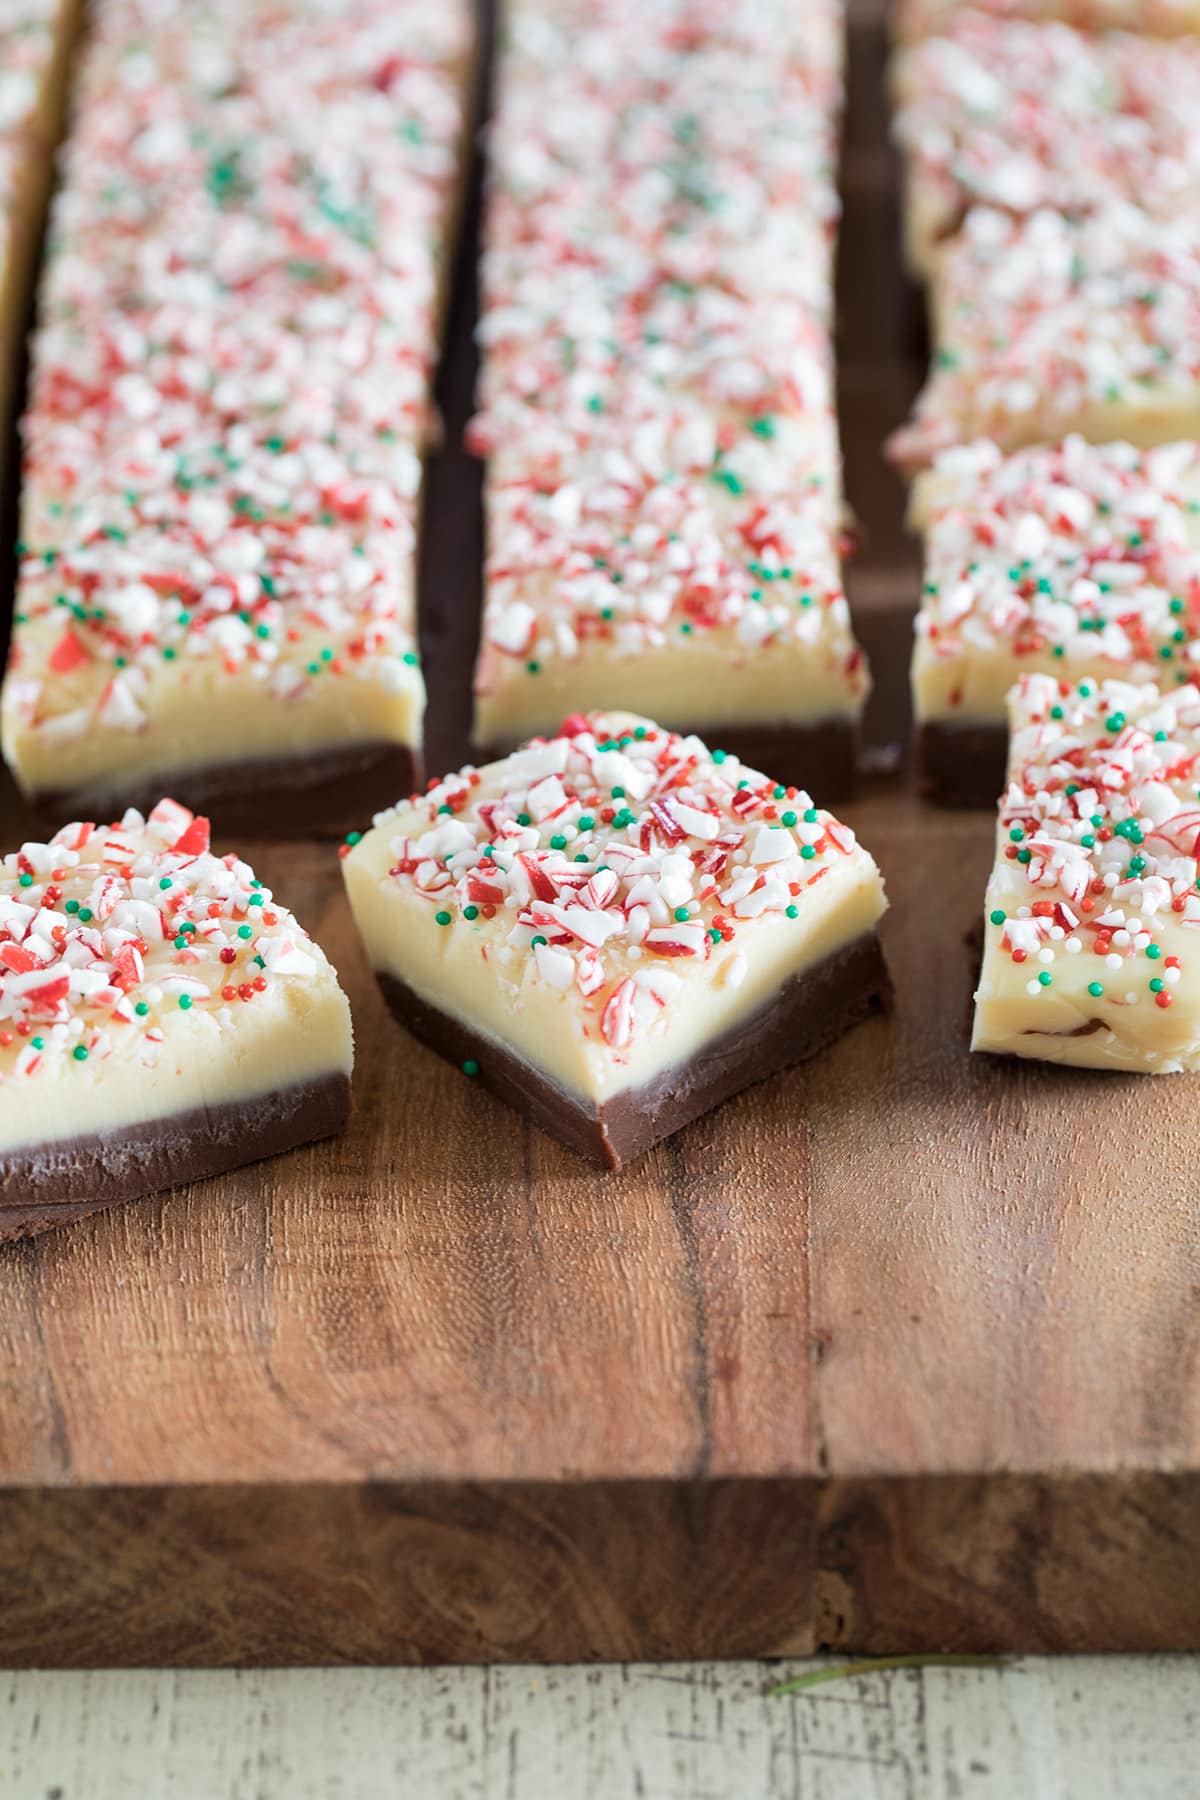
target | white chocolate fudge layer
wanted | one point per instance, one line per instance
(1020, 116)
(230, 398)
(1167, 18)
(1073, 559)
(657, 390)
(35, 40)
(1048, 326)
(605, 903)
(142, 976)
(1093, 909)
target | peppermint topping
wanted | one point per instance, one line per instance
(1101, 831)
(612, 860)
(230, 391)
(657, 400)
(1047, 323)
(1020, 116)
(916, 18)
(1076, 553)
(107, 931)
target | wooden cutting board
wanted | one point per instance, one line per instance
(896, 1352)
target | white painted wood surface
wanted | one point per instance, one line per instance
(1118, 1728)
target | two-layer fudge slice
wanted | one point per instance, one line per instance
(229, 409)
(1072, 559)
(1047, 326)
(615, 929)
(1020, 116)
(1090, 950)
(36, 38)
(1164, 18)
(162, 1018)
(663, 496)
(667, 573)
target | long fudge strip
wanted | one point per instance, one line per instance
(1092, 908)
(1166, 18)
(36, 38)
(229, 407)
(614, 929)
(1072, 559)
(664, 501)
(1019, 116)
(162, 1018)
(1049, 326)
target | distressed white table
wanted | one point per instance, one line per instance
(1117, 1728)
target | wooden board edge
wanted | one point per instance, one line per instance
(1035, 1562)
(405, 1574)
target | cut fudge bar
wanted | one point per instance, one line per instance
(615, 929)
(162, 1017)
(1073, 559)
(36, 37)
(229, 407)
(664, 501)
(1089, 956)
(1167, 18)
(1020, 116)
(1048, 326)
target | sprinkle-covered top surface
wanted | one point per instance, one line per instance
(237, 328)
(1047, 325)
(1077, 552)
(657, 391)
(28, 41)
(1020, 115)
(1101, 831)
(106, 931)
(913, 18)
(618, 859)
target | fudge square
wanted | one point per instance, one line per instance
(1070, 559)
(162, 1018)
(1048, 325)
(615, 928)
(1018, 115)
(1091, 945)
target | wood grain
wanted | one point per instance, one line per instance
(898, 1350)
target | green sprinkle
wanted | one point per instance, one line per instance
(185, 1002)
(353, 837)
(72, 906)
(1154, 951)
(1045, 978)
(793, 912)
(39, 1043)
(618, 793)
(808, 851)
(442, 918)
(1157, 985)
(714, 934)
(80, 1053)
(24, 880)
(1115, 722)
(165, 883)
(470, 912)
(1016, 834)
(810, 816)
(585, 821)
(789, 819)
(410, 657)
(470, 1067)
(1024, 856)
(141, 1009)
(1095, 989)
(535, 941)
(682, 915)
(998, 917)
(533, 668)
(558, 841)
(524, 819)
(245, 931)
